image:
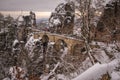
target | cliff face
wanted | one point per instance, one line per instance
(109, 24)
(62, 19)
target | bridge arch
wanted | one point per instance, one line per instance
(68, 41)
(60, 44)
(78, 49)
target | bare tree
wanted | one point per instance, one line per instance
(89, 12)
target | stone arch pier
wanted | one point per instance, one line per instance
(70, 42)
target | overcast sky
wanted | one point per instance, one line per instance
(29, 5)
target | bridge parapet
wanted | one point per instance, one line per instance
(71, 42)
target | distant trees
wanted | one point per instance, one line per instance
(8, 31)
(1, 20)
(1, 16)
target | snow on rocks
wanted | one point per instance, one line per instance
(15, 46)
(7, 78)
(101, 56)
(87, 63)
(56, 22)
(15, 42)
(65, 51)
(91, 74)
(14, 71)
(96, 71)
(30, 45)
(96, 2)
(61, 77)
(51, 43)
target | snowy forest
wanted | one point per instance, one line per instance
(79, 41)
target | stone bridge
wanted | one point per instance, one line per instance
(71, 42)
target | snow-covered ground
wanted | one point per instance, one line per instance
(96, 71)
(106, 65)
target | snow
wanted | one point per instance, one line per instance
(51, 43)
(106, 2)
(87, 63)
(31, 44)
(15, 42)
(65, 51)
(77, 31)
(13, 72)
(56, 22)
(61, 77)
(115, 75)
(58, 76)
(7, 78)
(91, 73)
(96, 71)
(101, 56)
(95, 3)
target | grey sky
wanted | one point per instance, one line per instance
(29, 5)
